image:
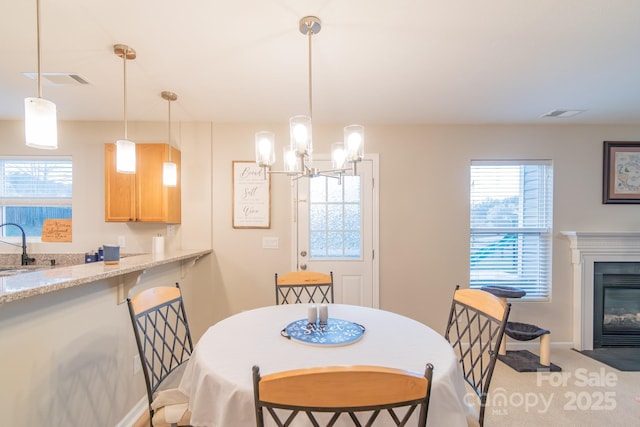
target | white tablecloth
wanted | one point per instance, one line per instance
(218, 377)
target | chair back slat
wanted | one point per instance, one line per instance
(483, 301)
(300, 287)
(357, 393)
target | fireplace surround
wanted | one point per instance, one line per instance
(587, 249)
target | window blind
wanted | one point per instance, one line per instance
(35, 179)
(511, 225)
(33, 189)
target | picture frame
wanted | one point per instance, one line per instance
(621, 172)
(251, 194)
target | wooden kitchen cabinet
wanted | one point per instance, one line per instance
(141, 196)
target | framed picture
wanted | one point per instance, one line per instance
(251, 207)
(621, 172)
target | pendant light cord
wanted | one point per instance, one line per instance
(38, 46)
(169, 135)
(124, 102)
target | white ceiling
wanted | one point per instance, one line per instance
(374, 61)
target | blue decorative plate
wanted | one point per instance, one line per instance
(334, 333)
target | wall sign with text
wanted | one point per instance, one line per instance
(251, 195)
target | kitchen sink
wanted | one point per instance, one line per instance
(13, 270)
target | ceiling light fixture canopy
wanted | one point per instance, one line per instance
(40, 116)
(169, 168)
(298, 155)
(125, 149)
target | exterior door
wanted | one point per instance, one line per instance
(336, 230)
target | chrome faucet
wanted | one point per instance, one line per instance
(25, 258)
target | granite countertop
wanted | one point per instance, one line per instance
(50, 279)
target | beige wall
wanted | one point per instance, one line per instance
(424, 225)
(66, 358)
(67, 351)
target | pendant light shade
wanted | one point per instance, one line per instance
(125, 149)
(169, 168)
(125, 156)
(40, 118)
(265, 152)
(40, 123)
(169, 174)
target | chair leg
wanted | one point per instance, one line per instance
(544, 349)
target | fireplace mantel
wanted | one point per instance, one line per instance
(588, 248)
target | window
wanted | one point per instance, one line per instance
(335, 218)
(511, 225)
(33, 189)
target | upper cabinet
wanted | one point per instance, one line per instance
(141, 196)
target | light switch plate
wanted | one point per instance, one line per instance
(270, 242)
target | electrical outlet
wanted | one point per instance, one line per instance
(122, 242)
(136, 364)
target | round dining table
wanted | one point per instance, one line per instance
(218, 376)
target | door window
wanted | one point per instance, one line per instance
(335, 218)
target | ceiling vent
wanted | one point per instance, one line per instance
(59, 79)
(562, 114)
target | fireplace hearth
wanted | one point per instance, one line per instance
(616, 304)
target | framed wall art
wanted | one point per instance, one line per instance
(251, 206)
(621, 172)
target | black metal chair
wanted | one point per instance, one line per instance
(304, 287)
(164, 342)
(363, 394)
(475, 329)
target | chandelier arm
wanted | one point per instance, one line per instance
(337, 176)
(333, 172)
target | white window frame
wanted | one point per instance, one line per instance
(13, 200)
(531, 270)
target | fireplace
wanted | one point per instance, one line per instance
(587, 250)
(616, 304)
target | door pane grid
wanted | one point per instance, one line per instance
(335, 218)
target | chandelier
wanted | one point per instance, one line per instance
(298, 155)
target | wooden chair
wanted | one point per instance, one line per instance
(164, 344)
(304, 287)
(476, 327)
(362, 394)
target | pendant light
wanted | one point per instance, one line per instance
(125, 149)
(169, 168)
(40, 121)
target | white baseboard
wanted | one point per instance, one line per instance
(135, 413)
